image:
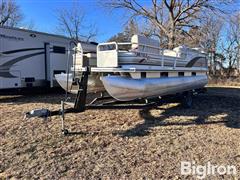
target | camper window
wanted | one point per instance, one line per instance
(58, 71)
(59, 50)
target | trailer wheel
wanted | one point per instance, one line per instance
(187, 99)
(65, 132)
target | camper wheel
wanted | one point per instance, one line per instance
(187, 99)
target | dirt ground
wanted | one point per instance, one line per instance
(120, 144)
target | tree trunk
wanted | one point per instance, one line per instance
(238, 59)
(171, 42)
(214, 64)
(171, 38)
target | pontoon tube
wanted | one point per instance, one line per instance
(126, 88)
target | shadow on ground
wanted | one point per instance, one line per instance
(47, 97)
(215, 103)
(222, 109)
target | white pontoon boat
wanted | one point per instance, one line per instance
(138, 69)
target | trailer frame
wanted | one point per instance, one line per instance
(79, 105)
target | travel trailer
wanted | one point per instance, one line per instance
(32, 59)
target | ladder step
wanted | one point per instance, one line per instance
(69, 103)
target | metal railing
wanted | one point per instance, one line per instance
(114, 46)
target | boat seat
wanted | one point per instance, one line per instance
(145, 45)
(82, 59)
(171, 53)
(183, 52)
(187, 52)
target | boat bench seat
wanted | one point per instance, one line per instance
(145, 45)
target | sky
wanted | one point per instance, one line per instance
(42, 13)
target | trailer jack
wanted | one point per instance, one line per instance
(80, 101)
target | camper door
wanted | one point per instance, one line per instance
(58, 61)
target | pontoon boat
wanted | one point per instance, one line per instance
(138, 69)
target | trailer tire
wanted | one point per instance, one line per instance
(65, 132)
(187, 99)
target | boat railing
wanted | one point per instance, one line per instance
(115, 47)
(107, 54)
(161, 52)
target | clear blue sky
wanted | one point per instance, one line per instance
(43, 14)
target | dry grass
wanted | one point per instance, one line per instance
(126, 144)
(218, 81)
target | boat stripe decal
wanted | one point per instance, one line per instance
(21, 50)
(6, 66)
(166, 63)
(142, 60)
(153, 64)
(193, 61)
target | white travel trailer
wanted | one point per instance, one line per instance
(32, 59)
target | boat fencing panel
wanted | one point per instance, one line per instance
(107, 55)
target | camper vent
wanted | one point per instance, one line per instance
(29, 79)
(33, 35)
(29, 85)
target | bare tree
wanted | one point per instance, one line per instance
(72, 24)
(168, 16)
(208, 37)
(10, 14)
(235, 29)
(130, 29)
(230, 45)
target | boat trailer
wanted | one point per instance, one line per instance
(80, 105)
(141, 77)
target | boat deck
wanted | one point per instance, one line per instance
(139, 69)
